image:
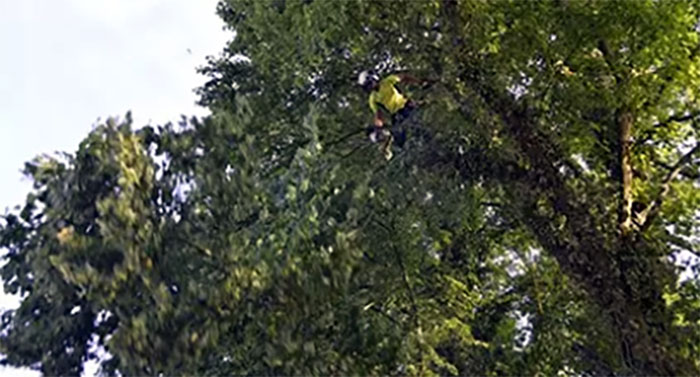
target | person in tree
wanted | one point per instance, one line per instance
(387, 101)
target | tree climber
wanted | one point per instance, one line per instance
(385, 98)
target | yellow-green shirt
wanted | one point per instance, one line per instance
(387, 95)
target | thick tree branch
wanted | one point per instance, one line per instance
(625, 206)
(624, 125)
(686, 172)
(646, 217)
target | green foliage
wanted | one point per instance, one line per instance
(271, 238)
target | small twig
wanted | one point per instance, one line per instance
(344, 137)
(390, 318)
(357, 148)
(682, 243)
(491, 204)
(649, 134)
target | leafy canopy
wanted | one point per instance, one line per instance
(528, 227)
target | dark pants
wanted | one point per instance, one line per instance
(403, 114)
(398, 130)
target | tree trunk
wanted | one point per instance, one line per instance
(624, 277)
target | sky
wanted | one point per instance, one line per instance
(68, 63)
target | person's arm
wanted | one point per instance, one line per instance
(378, 122)
(409, 79)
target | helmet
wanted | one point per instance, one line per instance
(367, 79)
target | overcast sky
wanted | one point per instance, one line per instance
(66, 63)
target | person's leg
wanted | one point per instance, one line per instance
(401, 116)
(400, 136)
(408, 109)
(395, 119)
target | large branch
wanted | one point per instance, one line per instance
(624, 122)
(625, 205)
(646, 217)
